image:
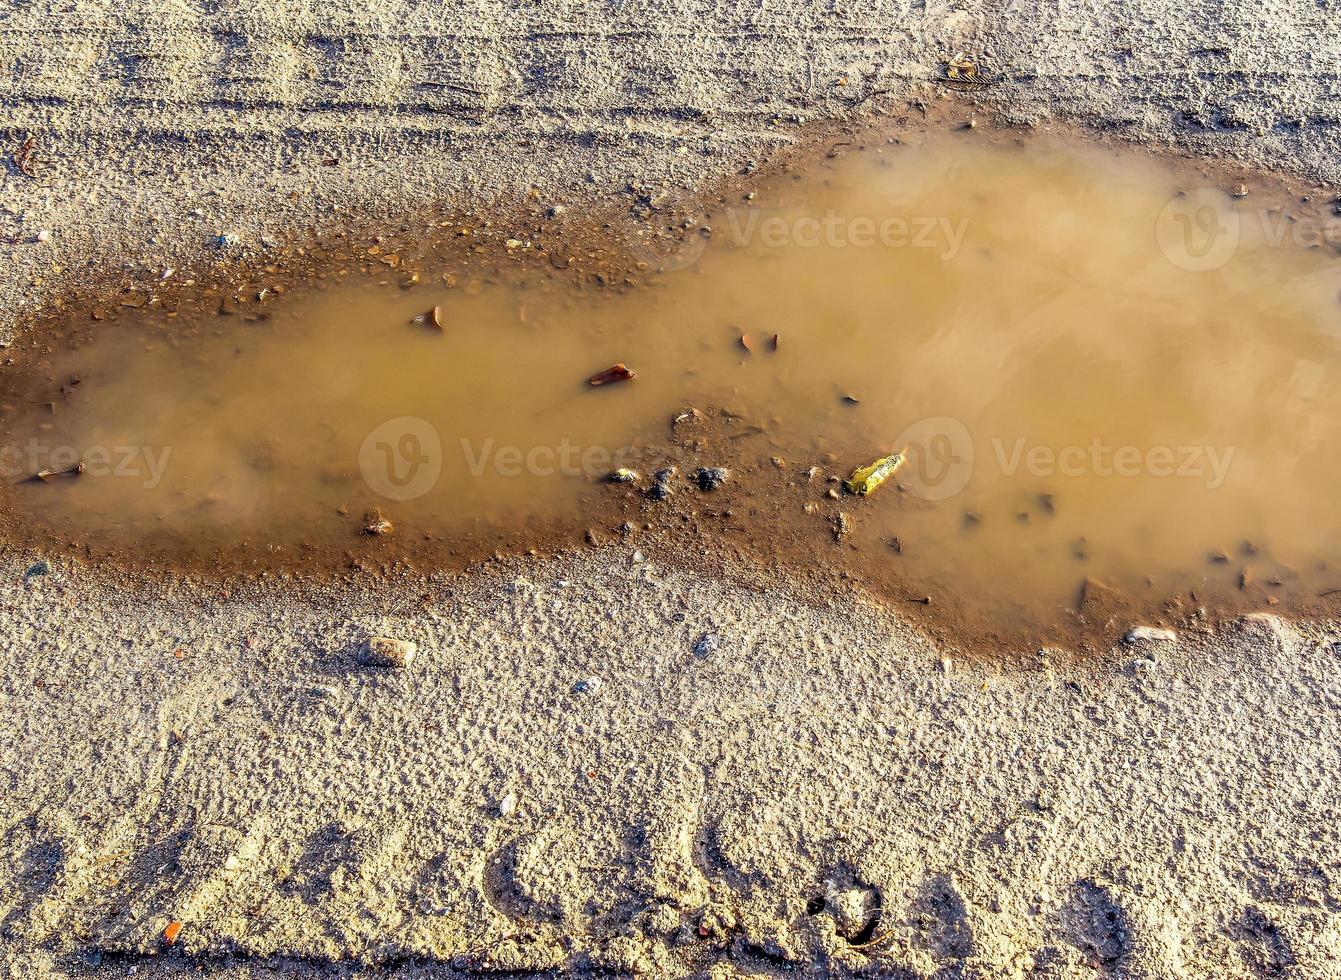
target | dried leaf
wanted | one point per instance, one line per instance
(25, 158)
(50, 474)
(961, 71)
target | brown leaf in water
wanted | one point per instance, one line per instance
(610, 375)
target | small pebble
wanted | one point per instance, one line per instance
(589, 685)
(707, 644)
(374, 523)
(710, 478)
(662, 487)
(1150, 634)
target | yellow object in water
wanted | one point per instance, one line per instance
(865, 479)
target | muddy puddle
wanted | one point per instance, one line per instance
(1114, 390)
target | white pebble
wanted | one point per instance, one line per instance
(384, 651)
(1152, 634)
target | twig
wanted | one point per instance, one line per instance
(25, 157)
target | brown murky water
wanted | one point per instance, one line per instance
(1100, 373)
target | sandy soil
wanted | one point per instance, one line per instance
(823, 794)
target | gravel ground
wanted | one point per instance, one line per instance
(557, 782)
